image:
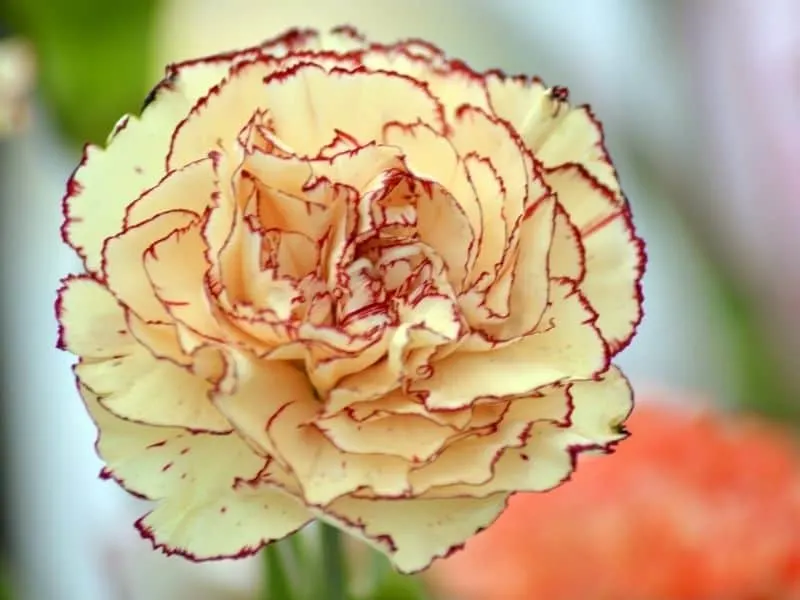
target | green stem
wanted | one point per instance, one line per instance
(278, 586)
(334, 576)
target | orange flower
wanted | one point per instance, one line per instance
(693, 506)
(338, 280)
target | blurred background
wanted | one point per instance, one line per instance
(701, 107)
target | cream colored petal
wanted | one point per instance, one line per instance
(360, 167)
(579, 139)
(204, 510)
(568, 346)
(337, 354)
(260, 390)
(549, 455)
(449, 217)
(412, 533)
(443, 225)
(431, 156)
(177, 267)
(453, 84)
(494, 231)
(160, 462)
(309, 104)
(556, 132)
(532, 109)
(232, 523)
(412, 437)
(213, 124)
(526, 297)
(567, 255)
(145, 389)
(325, 472)
(100, 333)
(133, 162)
(131, 382)
(190, 188)
(426, 324)
(471, 460)
(377, 379)
(587, 203)
(613, 254)
(280, 211)
(124, 263)
(476, 132)
(614, 267)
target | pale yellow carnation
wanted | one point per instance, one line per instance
(362, 284)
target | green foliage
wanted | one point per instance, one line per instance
(93, 58)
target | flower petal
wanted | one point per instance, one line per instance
(412, 437)
(554, 131)
(453, 83)
(415, 532)
(477, 133)
(189, 188)
(132, 163)
(177, 266)
(130, 381)
(309, 105)
(215, 120)
(158, 462)
(567, 258)
(614, 255)
(123, 258)
(203, 511)
(521, 301)
(570, 347)
(325, 472)
(599, 407)
(259, 390)
(471, 459)
(231, 523)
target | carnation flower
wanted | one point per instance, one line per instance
(328, 279)
(694, 506)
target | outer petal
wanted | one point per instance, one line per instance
(599, 408)
(415, 532)
(309, 105)
(132, 163)
(215, 120)
(471, 460)
(556, 132)
(614, 256)
(570, 347)
(203, 511)
(452, 82)
(131, 382)
(234, 524)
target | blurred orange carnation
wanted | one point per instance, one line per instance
(693, 506)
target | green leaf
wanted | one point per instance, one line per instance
(93, 58)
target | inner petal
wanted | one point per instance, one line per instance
(309, 104)
(409, 436)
